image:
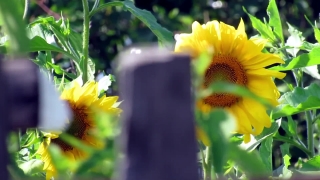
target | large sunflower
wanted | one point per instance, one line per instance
(84, 102)
(238, 60)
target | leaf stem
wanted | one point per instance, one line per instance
(208, 167)
(26, 8)
(85, 40)
(294, 143)
(309, 120)
(310, 132)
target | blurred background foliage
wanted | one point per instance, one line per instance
(113, 29)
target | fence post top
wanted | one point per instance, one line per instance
(138, 55)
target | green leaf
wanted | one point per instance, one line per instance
(31, 167)
(285, 127)
(201, 64)
(285, 150)
(61, 163)
(11, 12)
(312, 164)
(299, 100)
(315, 29)
(70, 40)
(218, 125)
(292, 126)
(96, 158)
(106, 5)
(39, 44)
(274, 19)
(303, 60)
(250, 163)
(57, 68)
(265, 151)
(163, 34)
(95, 6)
(30, 139)
(266, 133)
(286, 173)
(262, 28)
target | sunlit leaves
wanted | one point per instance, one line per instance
(31, 167)
(274, 19)
(11, 18)
(312, 164)
(299, 100)
(250, 163)
(165, 37)
(262, 28)
(266, 133)
(218, 127)
(265, 151)
(303, 60)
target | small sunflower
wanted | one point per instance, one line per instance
(83, 102)
(239, 60)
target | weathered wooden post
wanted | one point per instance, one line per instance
(27, 99)
(158, 122)
(3, 126)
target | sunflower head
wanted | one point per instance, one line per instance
(239, 60)
(84, 102)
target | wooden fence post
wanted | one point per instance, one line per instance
(4, 125)
(158, 122)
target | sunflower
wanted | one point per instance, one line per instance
(83, 102)
(239, 60)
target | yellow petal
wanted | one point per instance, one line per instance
(257, 114)
(264, 87)
(246, 138)
(243, 122)
(262, 61)
(260, 42)
(241, 29)
(266, 72)
(202, 136)
(75, 92)
(228, 34)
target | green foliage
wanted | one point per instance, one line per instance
(217, 124)
(11, 18)
(265, 151)
(264, 29)
(164, 35)
(299, 100)
(275, 20)
(303, 60)
(60, 51)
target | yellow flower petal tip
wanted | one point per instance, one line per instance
(239, 60)
(202, 136)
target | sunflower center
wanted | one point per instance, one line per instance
(224, 68)
(77, 128)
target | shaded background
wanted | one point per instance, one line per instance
(113, 29)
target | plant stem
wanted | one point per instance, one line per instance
(208, 167)
(310, 138)
(294, 143)
(26, 8)
(19, 138)
(309, 120)
(85, 40)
